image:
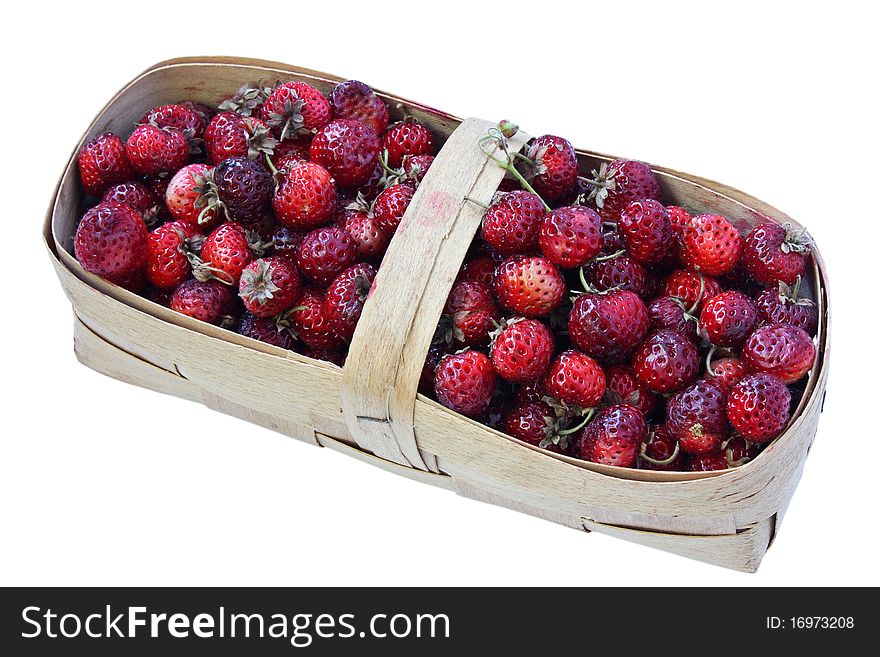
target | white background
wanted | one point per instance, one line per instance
(105, 483)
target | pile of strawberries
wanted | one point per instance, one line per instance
(588, 318)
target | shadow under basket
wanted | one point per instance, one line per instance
(370, 409)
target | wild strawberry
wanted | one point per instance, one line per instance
(426, 379)
(186, 196)
(265, 329)
(660, 451)
(469, 316)
(153, 151)
(646, 231)
(310, 322)
(465, 382)
(390, 206)
(479, 270)
(290, 152)
(355, 100)
(691, 287)
(135, 196)
(785, 306)
(670, 313)
(739, 451)
(111, 241)
(710, 244)
(511, 224)
(416, 166)
(180, 118)
(575, 379)
(207, 301)
(528, 285)
(306, 197)
(168, 253)
(620, 182)
(556, 167)
(233, 135)
(407, 137)
(295, 108)
(622, 387)
(758, 407)
(725, 372)
(102, 162)
(225, 253)
(521, 350)
(324, 253)
(369, 239)
(269, 286)
(666, 362)
(774, 253)
(344, 299)
(728, 318)
(571, 236)
(707, 462)
(697, 417)
(608, 326)
(678, 218)
(247, 101)
(244, 189)
(783, 350)
(613, 437)
(618, 272)
(348, 149)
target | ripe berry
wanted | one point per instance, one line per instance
(135, 196)
(619, 272)
(532, 423)
(613, 437)
(269, 286)
(295, 108)
(390, 206)
(575, 378)
(177, 117)
(622, 387)
(102, 162)
(711, 244)
(469, 316)
(725, 372)
(784, 306)
(344, 299)
(324, 253)
(186, 195)
(646, 231)
(661, 451)
(306, 197)
(226, 252)
(511, 224)
(245, 188)
(369, 239)
(772, 253)
(697, 417)
(708, 462)
(522, 350)
(728, 318)
(608, 326)
(465, 382)
(666, 362)
(153, 151)
(783, 350)
(168, 249)
(233, 135)
(670, 313)
(348, 149)
(265, 329)
(571, 236)
(758, 407)
(619, 183)
(207, 301)
(355, 100)
(111, 241)
(406, 137)
(528, 285)
(692, 288)
(311, 323)
(556, 167)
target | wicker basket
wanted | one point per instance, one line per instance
(370, 408)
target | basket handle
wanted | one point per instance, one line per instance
(392, 338)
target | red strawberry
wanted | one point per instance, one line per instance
(205, 112)
(207, 301)
(679, 218)
(265, 329)
(355, 100)
(168, 253)
(177, 117)
(345, 298)
(290, 152)
(785, 306)
(666, 362)
(728, 318)
(324, 253)
(529, 286)
(187, 195)
(617, 184)
(348, 149)
(618, 272)
(334, 356)
(612, 242)
(285, 242)
(613, 437)
(407, 137)
(739, 451)
(774, 253)
(783, 350)
(247, 101)
(369, 239)
(479, 270)
(111, 241)
(269, 286)
(225, 253)
(691, 287)
(306, 197)
(311, 323)
(511, 224)
(622, 387)
(521, 350)
(661, 451)
(416, 166)
(469, 315)
(575, 379)
(135, 196)
(608, 326)
(102, 162)
(725, 372)
(153, 151)
(465, 382)
(556, 167)
(233, 135)
(758, 407)
(390, 206)
(571, 236)
(528, 392)
(708, 462)
(244, 188)
(295, 108)
(711, 244)
(646, 231)
(697, 417)
(670, 313)
(533, 423)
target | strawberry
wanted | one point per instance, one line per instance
(111, 241)
(390, 206)
(469, 316)
(310, 322)
(135, 196)
(613, 437)
(710, 244)
(416, 166)
(407, 137)
(154, 151)
(355, 100)
(269, 286)
(758, 407)
(678, 218)
(511, 224)
(739, 451)
(620, 182)
(290, 152)
(622, 387)
(225, 253)
(785, 306)
(728, 318)
(697, 417)
(669, 313)
(608, 326)
(247, 101)
(660, 451)
(708, 462)
(369, 239)
(532, 423)
(773, 253)
(783, 350)
(556, 167)
(265, 329)
(612, 242)
(186, 195)
(102, 162)
(618, 272)
(295, 108)
(233, 135)
(528, 285)
(324, 253)
(571, 236)
(725, 372)
(207, 301)
(344, 299)
(306, 197)
(244, 189)
(168, 253)
(465, 382)
(206, 113)
(575, 379)
(479, 270)
(666, 362)
(348, 149)
(334, 356)
(285, 242)
(521, 350)
(646, 231)
(180, 118)
(691, 287)
(426, 380)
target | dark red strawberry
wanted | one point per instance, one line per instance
(355, 100)
(521, 350)
(620, 182)
(168, 253)
(426, 380)
(469, 316)
(285, 242)
(233, 135)
(335, 356)
(739, 451)
(533, 423)
(670, 313)
(265, 329)
(613, 437)
(348, 149)
(311, 323)
(390, 206)
(608, 326)
(295, 108)
(479, 270)
(575, 379)
(758, 407)
(269, 286)
(465, 382)
(528, 285)
(369, 239)
(207, 301)
(622, 387)
(511, 224)
(556, 167)
(345, 298)
(291, 152)
(707, 462)
(728, 318)
(135, 196)
(111, 241)
(711, 244)
(415, 167)
(571, 236)
(102, 162)
(612, 242)
(691, 287)
(407, 137)
(646, 231)
(306, 197)
(618, 272)
(785, 306)
(774, 253)
(186, 196)
(244, 188)
(225, 253)
(725, 372)
(660, 451)
(679, 218)
(697, 417)
(207, 113)
(324, 253)
(177, 117)
(666, 362)
(153, 151)
(528, 392)
(783, 350)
